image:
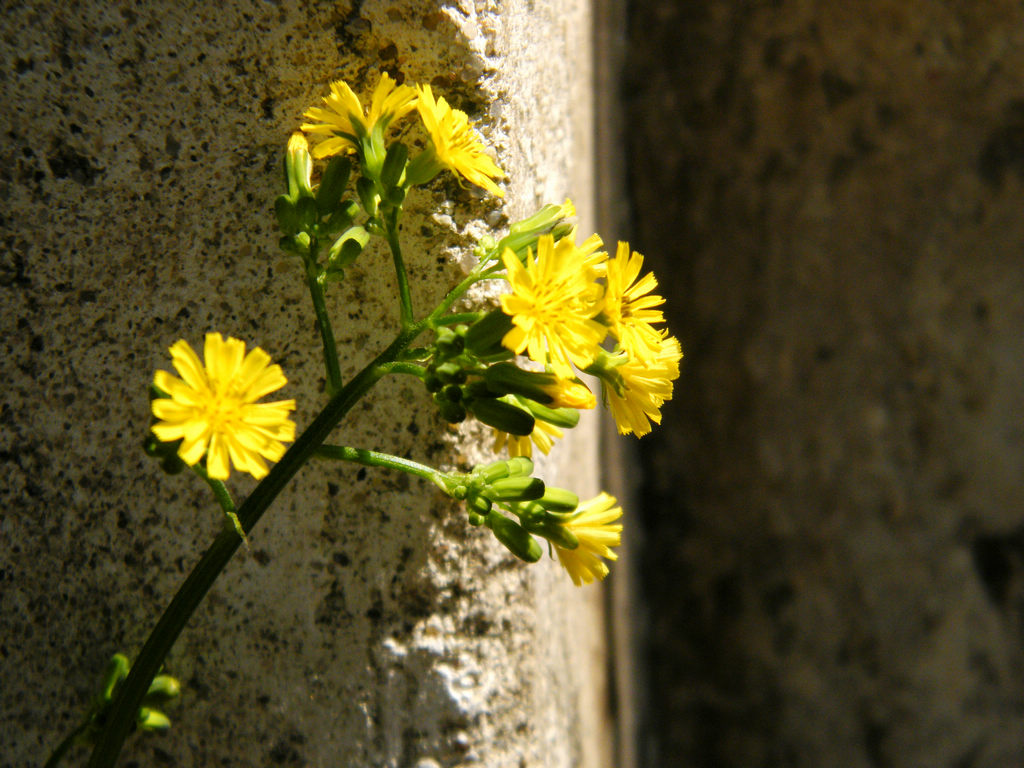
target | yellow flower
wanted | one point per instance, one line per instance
(543, 436)
(553, 303)
(570, 393)
(646, 384)
(592, 525)
(343, 120)
(212, 409)
(455, 144)
(628, 301)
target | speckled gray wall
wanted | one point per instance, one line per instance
(835, 552)
(367, 625)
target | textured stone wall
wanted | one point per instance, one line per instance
(367, 625)
(835, 551)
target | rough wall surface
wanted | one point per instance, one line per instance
(835, 191)
(367, 625)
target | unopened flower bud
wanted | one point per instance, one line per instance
(332, 184)
(164, 688)
(502, 416)
(509, 378)
(152, 720)
(116, 671)
(514, 537)
(567, 418)
(484, 336)
(559, 500)
(515, 489)
(298, 167)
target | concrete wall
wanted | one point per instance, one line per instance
(834, 192)
(367, 625)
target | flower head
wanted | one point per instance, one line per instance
(643, 383)
(593, 525)
(212, 408)
(455, 144)
(629, 304)
(553, 303)
(344, 121)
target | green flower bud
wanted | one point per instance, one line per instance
(479, 505)
(332, 184)
(484, 336)
(347, 248)
(476, 519)
(451, 373)
(163, 689)
(453, 413)
(449, 343)
(559, 500)
(520, 465)
(558, 417)
(514, 537)
(308, 215)
(515, 489)
(496, 470)
(117, 670)
(287, 215)
(502, 416)
(394, 165)
(509, 378)
(152, 720)
(367, 192)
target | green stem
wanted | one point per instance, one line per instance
(385, 460)
(191, 593)
(409, 369)
(223, 497)
(65, 745)
(435, 317)
(461, 317)
(323, 322)
(404, 295)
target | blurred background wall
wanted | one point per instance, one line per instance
(832, 197)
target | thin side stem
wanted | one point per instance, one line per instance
(404, 295)
(191, 593)
(323, 323)
(65, 745)
(434, 319)
(223, 497)
(384, 460)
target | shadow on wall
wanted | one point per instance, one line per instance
(834, 566)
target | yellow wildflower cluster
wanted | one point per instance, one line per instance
(454, 145)
(568, 299)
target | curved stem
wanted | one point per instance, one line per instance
(198, 583)
(434, 319)
(384, 460)
(65, 745)
(223, 498)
